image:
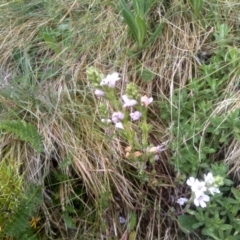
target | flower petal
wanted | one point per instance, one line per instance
(99, 93)
(119, 125)
(145, 101)
(182, 201)
(135, 115)
(128, 102)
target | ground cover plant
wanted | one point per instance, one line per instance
(119, 119)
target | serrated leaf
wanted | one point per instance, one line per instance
(147, 75)
(23, 131)
(68, 220)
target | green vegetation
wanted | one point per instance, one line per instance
(108, 109)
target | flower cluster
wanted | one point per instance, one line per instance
(104, 88)
(201, 189)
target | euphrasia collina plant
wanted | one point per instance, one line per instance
(126, 112)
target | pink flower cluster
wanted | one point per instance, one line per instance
(110, 81)
(200, 190)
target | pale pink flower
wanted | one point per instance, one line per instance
(122, 220)
(182, 201)
(135, 115)
(117, 116)
(160, 148)
(110, 80)
(99, 93)
(128, 102)
(119, 125)
(201, 200)
(145, 101)
(153, 149)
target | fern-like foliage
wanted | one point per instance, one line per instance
(23, 131)
(18, 226)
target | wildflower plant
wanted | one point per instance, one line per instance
(201, 189)
(212, 207)
(127, 112)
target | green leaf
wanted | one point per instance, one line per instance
(154, 35)
(133, 221)
(68, 220)
(236, 193)
(129, 19)
(225, 227)
(147, 75)
(104, 200)
(23, 131)
(142, 7)
(196, 6)
(197, 225)
(138, 7)
(141, 29)
(228, 182)
(50, 42)
(209, 150)
(209, 232)
(186, 223)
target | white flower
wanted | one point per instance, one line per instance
(191, 181)
(110, 80)
(213, 190)
(197, 187)
(201, 200)
(182, 201)
(135, 115)
(119, 125)
(209, 179)
(128, 102)
(145, 101)
(117, 116)
(99, 93)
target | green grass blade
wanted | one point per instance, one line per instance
(156, 33)
(196, 6)
(141, 29)
(129, 19)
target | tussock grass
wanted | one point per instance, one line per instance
(87, 183)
